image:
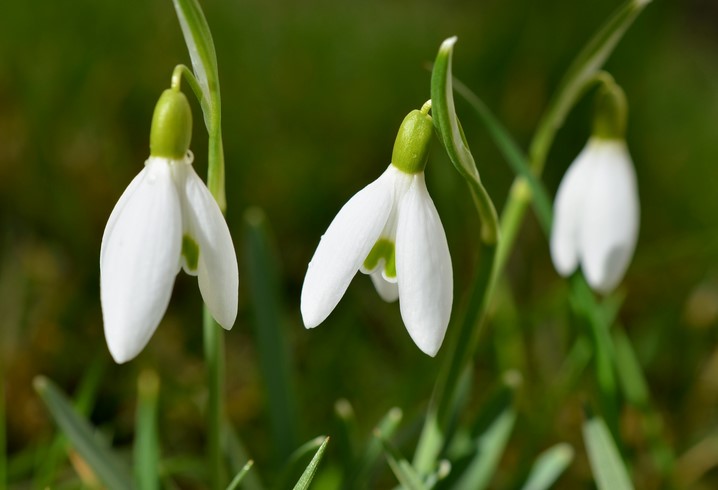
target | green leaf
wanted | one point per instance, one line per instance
(84, 401)
(98, 455)
(452, 136)
(236, 454)
(387, 426)
(515, 157)
(629, 371)
(198, 39)
(347, 435)
(548, 467)
(240, 476)
(296, 463)
(147, 446)
(402, 469)
(261, 265)
(608, 468)
(489, 448)
(308, 475)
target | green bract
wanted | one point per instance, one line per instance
(610, 113)
(411, 148)
(171, 131)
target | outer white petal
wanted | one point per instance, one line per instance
(568, 213)
(389, 291)
(611, 217)
(217, 270)
(423, 269)
(138, 260)
(343, 248)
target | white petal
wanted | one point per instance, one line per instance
(138, 260)
(568, 213)
(423, 269)
(389, 291)
(611, 217)
(343, 248)
(217, 270)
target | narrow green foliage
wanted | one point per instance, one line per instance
(347, 434)
(629, 371)
(513, 154)
(97, 454)
(262, 266)
(548, 467)
(297, 462)
(147, 446)
(234, 484)
(308, 475)
(387, 426)
(402, 469)
(84, 401)
(489, 448)
(608, 468)
(204, 63)
(450, 132)
(236, 454)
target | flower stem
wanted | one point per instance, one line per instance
(214, 359)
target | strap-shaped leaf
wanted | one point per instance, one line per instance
(105, 464)
(608, 468)
(402, 469)
(240, 476)
(308, 475)
(452, 136)
(548, 467)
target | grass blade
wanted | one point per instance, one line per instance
(261, 266)
(105, 464)
(240, 476)
(608, 468)
(402, 469)
(308, 475)
(387, 426)
(548, 467)
(236, 454)
(147, 446)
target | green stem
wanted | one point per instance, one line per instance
(214, 358)
(182, 71)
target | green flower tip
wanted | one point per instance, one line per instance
(171, 131)
(611, 112)
(411, 148)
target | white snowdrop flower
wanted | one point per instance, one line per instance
(391, 231)
(596, 210)
(166, 220)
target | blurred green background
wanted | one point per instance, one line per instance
(313, 93)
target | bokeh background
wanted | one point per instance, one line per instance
(313, 93)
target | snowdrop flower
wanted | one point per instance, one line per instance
(166, 220)
(391, 231)
(596, 211)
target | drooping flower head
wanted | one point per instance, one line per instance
(166, 220)
(596, 211)
(391, 231)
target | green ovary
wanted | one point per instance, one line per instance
(383, 250)
(190, 252)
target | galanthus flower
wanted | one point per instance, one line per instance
(596, 211)
(391, 231)
(166, 220)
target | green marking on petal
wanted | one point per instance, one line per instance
(190, 252)
(383, 250)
